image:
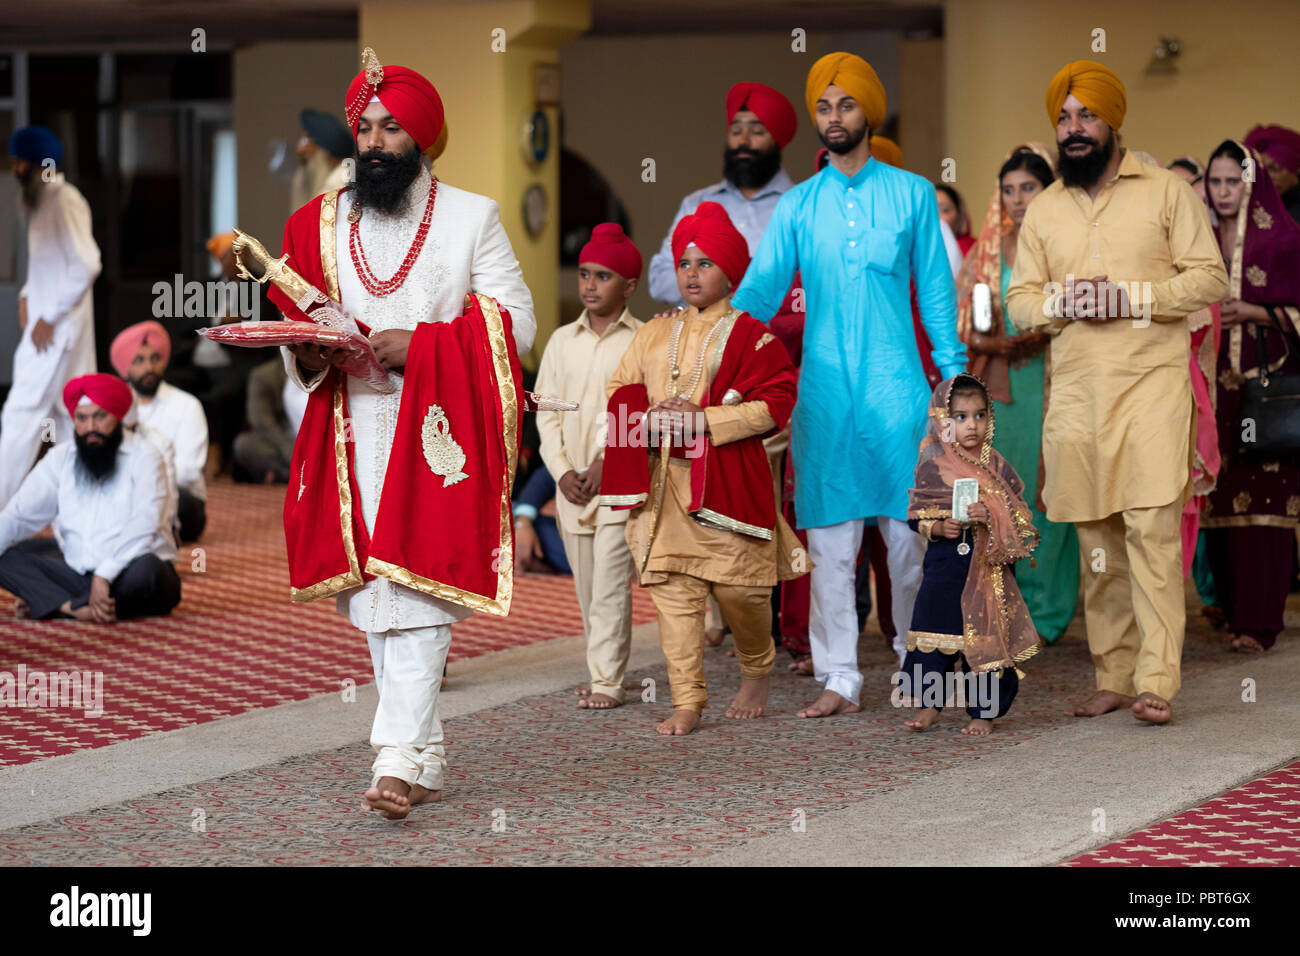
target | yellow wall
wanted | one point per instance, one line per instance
(273, 82)
(486, 95)
(1237, 68)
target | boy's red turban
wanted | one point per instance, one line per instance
(710, 228)
(610, 247)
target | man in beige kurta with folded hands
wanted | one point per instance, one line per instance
(1112, 257)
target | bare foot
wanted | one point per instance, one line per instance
(714, 636)
(1242, 644)
(390, 796)
(802, 665)
(922, 720)
(681, 723)
(421, 794)
(978, 727)
(1152, 709)
(1102, 702)
(585, 689)
(750, 699)
(598, 702)
(22, 610)
(828, 705)
(1215, 615)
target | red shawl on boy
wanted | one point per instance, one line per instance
(731, 484)
(444, 520)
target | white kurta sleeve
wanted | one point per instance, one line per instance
(148, 478)
(191, 442)
(81, 261)
(495, 271)
(34, 506)
(554, 455)
(291, 369)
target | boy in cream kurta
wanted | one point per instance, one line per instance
(576, 366)
(684, 554)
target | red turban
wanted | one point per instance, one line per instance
(1280, 144)
(129, 340)
(710, 228)
(610, 247)
(408, 97)
(772, 109)
(107, 391)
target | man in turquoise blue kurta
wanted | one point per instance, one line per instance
(857, 231)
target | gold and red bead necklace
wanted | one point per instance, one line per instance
(382, 287)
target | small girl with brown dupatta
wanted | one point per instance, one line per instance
(969, 606)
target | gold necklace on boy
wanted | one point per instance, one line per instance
(674, 371)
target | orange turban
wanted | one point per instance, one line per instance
(129, 340)
(887, 151)
(772, 109)
(1095, 86)
(854, 76)
(409, 98)
(219, 244)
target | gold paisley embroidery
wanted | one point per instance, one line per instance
(1293, 506)
(763, 340)
(1270, 466)
(1256, 276)
(1262, 219)
(443, 454)
(1241, 503)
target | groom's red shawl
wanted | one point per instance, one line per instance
(453, 540)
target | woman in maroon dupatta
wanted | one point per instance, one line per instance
(1252, 513)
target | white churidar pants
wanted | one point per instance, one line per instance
(407, 733)
(833, 617)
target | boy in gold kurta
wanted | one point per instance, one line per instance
(712, 382)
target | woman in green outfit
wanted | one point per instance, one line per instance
(1016, 367)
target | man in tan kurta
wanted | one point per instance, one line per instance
(1112, 258)
(576, 366)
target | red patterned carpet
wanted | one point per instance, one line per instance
(235, 643)
(1255, 825)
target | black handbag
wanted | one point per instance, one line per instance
(1271, 403)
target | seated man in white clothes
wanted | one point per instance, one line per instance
(140, 354)
(107, 491)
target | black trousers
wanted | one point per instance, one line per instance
(193, 515)
(35, 571)
(988, 695)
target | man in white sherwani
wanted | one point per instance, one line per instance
(55, 305)
(394, 272)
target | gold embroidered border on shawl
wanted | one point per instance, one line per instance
(352, 577)
(499, 605)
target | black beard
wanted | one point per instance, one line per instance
(849, 143)
(1085, 170)
(751, 172)
(100, 459)
(148, 390)
(383, 185)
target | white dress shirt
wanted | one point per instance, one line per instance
(179, 415)
(104, 525)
